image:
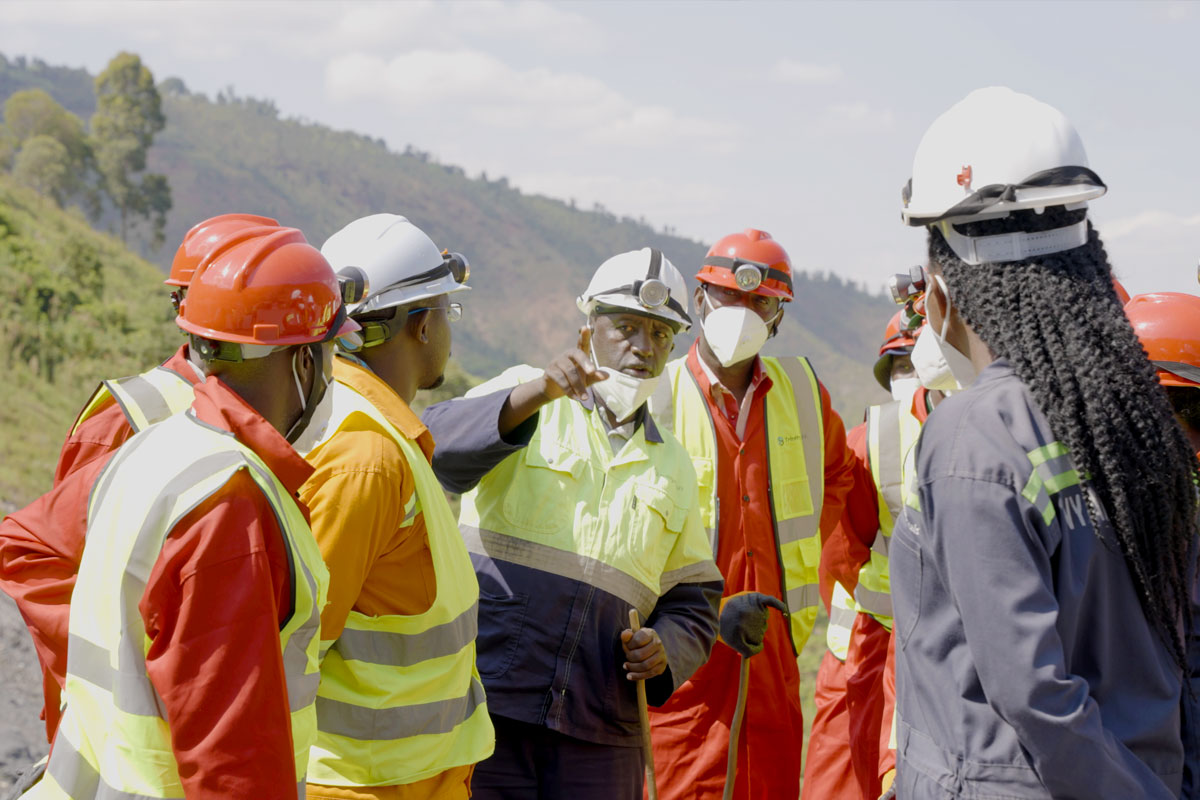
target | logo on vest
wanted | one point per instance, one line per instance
(782, 440)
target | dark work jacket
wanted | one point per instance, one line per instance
(549, 651)
(1025, 667)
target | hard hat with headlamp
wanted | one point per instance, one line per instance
(995, 152)
(643, 281)
(398, 265)
(750, 261)
(1168, 326)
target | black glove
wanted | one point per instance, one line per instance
(744, 621)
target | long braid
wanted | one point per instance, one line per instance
(1058, 322)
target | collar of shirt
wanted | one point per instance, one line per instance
(221, 407)
(181, 365)
(640, 419)
(721, 397)
(359, 377)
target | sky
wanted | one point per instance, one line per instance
(797, 118)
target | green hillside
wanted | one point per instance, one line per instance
(75, 307)
(527, 252)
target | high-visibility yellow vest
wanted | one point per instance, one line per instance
(114, 740)
(400, 697)
(842, 611)
(145, 399)
(795, 431)
(892, 431)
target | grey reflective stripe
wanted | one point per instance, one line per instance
(1185, 371)
(878, 603)
(140, 400)
(889, 472)
(301, 685)
(1049, 470)
(813, 440)
(407, 649)
(803, 596)
(400, 722)
(842, 617)
(79, 779)
(699, 572)
(882, 544)
(560, 562)
(89, 662)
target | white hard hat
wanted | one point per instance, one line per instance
(993, 152)
(400, 263)
(640, 280)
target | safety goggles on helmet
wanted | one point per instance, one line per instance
(749, 275)
(652, 293)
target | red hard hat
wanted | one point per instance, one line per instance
(1168, 325)
(200, 240)
(265, 285)
(896, 342)
(1122, 295)
(746, 250)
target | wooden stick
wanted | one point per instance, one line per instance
(735, 729)
(635, 624)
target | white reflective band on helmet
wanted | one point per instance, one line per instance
(1185, 371)
(1016, 246)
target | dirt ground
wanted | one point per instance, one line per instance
(22, 734)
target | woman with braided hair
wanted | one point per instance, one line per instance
(1042, 572)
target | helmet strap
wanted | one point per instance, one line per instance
(1016, 246)
(308, 402)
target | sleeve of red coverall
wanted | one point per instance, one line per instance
(849, 545)
(96, 438)
(213, 607)
(40, 549)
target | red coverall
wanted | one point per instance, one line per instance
(848, 751)
(41, 545)
(691, 731)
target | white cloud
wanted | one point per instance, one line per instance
(661, 199)
(787, 70)
(485, 90)
(857, 116)
(1147, 221)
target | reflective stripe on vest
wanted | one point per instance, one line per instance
(144, 399)
(841, 621)
(114, 740)
(892, 431)
(795, 433)
(400, 697)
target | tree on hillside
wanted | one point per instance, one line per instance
(42, 165)
(128, 115)
(33, 119)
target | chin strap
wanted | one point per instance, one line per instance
(1017, 246)
(309, 402)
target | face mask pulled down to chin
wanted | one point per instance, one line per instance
(733, 333)
(623, 394)
(940, 365)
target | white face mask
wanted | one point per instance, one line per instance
(733, 333)
(622, 394)
(310, 420)
(904, 388)
(938, 363)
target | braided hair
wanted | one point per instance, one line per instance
(1057, 320)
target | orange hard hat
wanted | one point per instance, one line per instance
(1168, 325)
(200, 240)
(897, 341)
(265, 285)
(1122, 295)
(750, 261)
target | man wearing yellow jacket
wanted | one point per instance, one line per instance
(400, 711)
(580, 508)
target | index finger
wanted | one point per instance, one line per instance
(585, 339)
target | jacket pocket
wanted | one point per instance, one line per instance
(501, 623)
(542, 498)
